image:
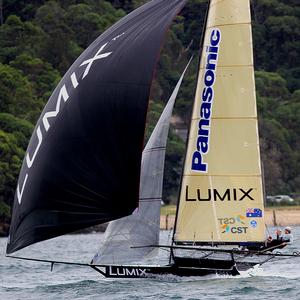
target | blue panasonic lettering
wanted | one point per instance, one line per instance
(205, 113)
(207, 94)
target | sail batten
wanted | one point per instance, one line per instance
(221, 199)
(229, 24)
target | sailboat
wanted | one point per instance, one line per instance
(85, 164)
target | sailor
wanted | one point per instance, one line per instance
(277, 242)
(278, 233)
(268, 242)
(287, 236)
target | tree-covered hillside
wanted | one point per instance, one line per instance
(40, 39)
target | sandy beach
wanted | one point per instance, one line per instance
(282, 217)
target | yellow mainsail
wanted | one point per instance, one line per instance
(221, 197)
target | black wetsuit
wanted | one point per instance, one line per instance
(268, 244)
(276, 242)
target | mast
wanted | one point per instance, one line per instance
(199, 63)
(221, 196)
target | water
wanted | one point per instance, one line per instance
(33, 280)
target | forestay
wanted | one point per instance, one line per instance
(142, 227)
(221, 197)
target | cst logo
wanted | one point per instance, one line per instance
(233, 225)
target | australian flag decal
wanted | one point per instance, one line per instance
(253, 213)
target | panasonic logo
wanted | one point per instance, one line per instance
(205, 113)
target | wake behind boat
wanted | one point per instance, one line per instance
(80, 168)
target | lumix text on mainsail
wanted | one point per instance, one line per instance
(198, 165)
(235, 194)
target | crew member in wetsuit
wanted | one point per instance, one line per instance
(275, 242)
(288, 236)
(281, 239)
(279, 242)
(268, 242)
(278, 233)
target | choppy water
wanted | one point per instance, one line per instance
(33, 280)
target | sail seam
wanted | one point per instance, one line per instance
(230, 66)
(201, 243)
(229, 24)
(223, 175)
(150, 199)
(154, 149)
(229, 118)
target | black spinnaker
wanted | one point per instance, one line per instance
(82, 165)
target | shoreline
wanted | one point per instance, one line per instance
(273, 217)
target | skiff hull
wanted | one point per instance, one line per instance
(115, 271)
